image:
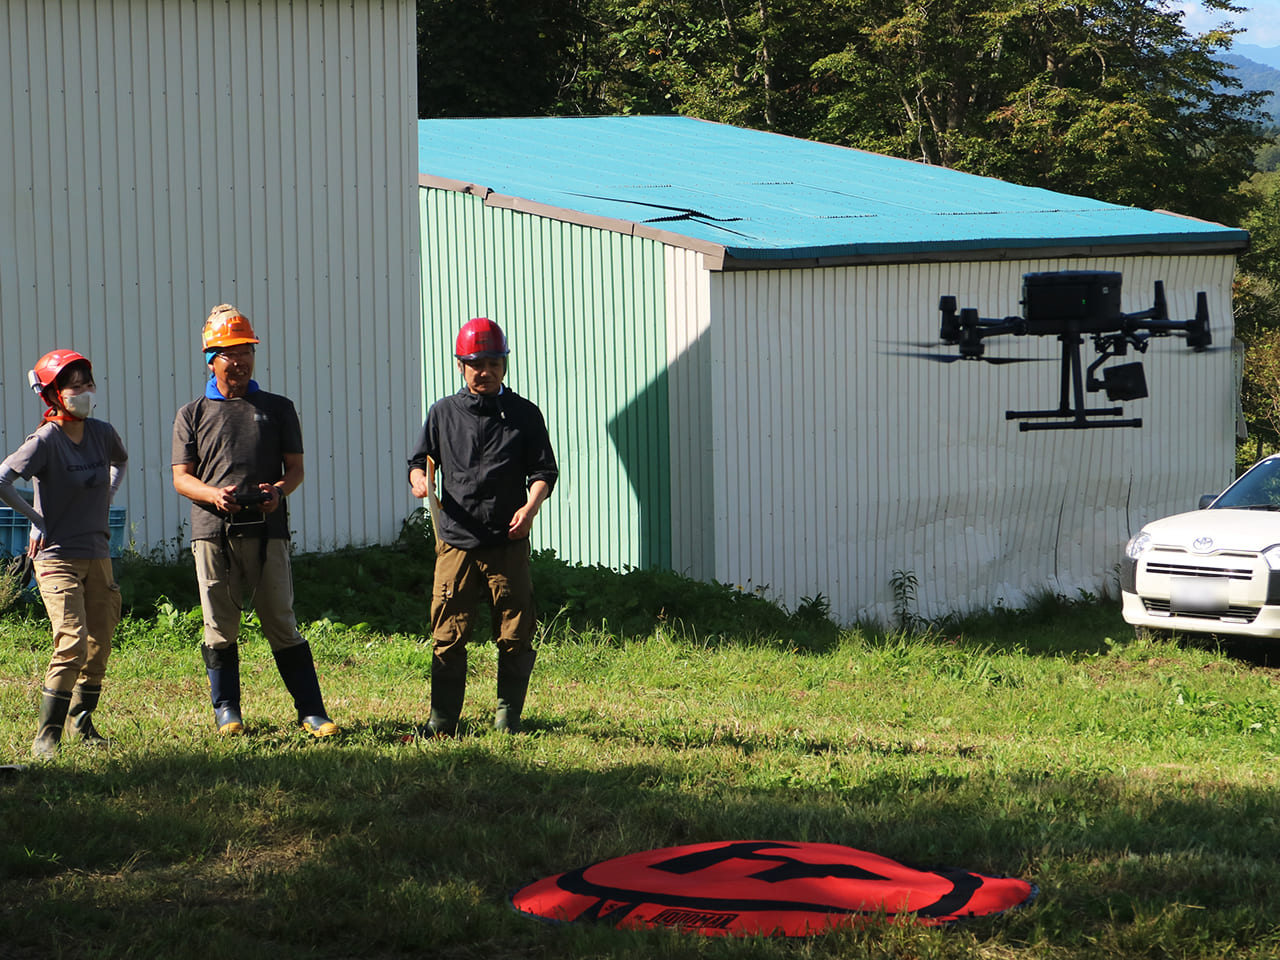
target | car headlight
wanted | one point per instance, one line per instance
(1141, 543)
(1272, 556)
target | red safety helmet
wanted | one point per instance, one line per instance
(480, 337)
(45, 373)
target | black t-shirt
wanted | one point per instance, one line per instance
(241, 442)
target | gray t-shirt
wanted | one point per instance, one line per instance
(240, 442)
(72, 484)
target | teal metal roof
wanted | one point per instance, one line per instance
(766, 196)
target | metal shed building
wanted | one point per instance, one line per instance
(161, 158)
(722, 327)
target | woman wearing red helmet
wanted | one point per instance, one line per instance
(75, 464)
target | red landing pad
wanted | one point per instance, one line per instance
(765, 888)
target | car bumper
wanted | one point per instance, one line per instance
(1240, 620)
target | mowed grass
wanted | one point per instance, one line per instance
(1134, 783)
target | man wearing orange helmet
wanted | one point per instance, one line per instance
(237, 453)
(76, 464)
(491, 450)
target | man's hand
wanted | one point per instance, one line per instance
(522, 519)
(521, 522)
(272, 505)
(423, 482)
(420, 485)
(196, 490)
(224, 499)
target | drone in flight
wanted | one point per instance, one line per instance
(1073, 304)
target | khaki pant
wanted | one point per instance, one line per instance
(465, 578)
(246, 572)
(82, 599)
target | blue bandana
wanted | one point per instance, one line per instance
(213, 393)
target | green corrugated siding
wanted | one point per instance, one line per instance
(584, 311)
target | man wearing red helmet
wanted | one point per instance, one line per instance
(76, 464)
(493, 456)
(237, 453)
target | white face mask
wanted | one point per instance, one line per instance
(79, 405)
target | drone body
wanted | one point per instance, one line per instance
(1070, 305)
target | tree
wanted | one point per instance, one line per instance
(494, 58)
(1110, 99)
(744, 62)
(1257, 310)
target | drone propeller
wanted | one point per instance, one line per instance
(953, 357)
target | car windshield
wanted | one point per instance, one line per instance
(1259, 489)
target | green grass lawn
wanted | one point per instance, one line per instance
(1134, 783)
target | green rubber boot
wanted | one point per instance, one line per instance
(448, 691)
(53, 716)
(84, 700)
(513, 684)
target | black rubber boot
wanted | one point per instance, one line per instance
(448, 691)
(223, 668)
(513, 684)
(298, 671)
(84, 700)
(53, 716)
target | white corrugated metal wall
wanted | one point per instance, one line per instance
(165, 157)
(854, 461)
(693, 510)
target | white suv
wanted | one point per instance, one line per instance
(1214, 570)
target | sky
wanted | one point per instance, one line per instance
(1261, 23)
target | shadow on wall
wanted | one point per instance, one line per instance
(641, 433)
(663, 441)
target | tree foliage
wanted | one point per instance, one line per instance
(493, 58)
(1257, 309)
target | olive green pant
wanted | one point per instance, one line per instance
(466, 578)
(82, 599)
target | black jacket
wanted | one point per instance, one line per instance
(488, 451)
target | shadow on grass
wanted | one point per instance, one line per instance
(335, 850)
(1050, 625)
(1254, 651)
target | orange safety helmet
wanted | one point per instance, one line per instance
(480, 337)
(226, 327)
(45, 373)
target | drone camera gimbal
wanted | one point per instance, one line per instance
(1073, 304)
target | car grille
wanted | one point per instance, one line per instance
(1231, 614)
(1199, 570)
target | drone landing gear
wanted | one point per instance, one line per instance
(1068, 416)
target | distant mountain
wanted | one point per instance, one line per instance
(1257, 76)
(1267, 56)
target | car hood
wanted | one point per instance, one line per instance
(1253, 530)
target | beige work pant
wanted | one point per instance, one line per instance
(82, 599)
(241, 574)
